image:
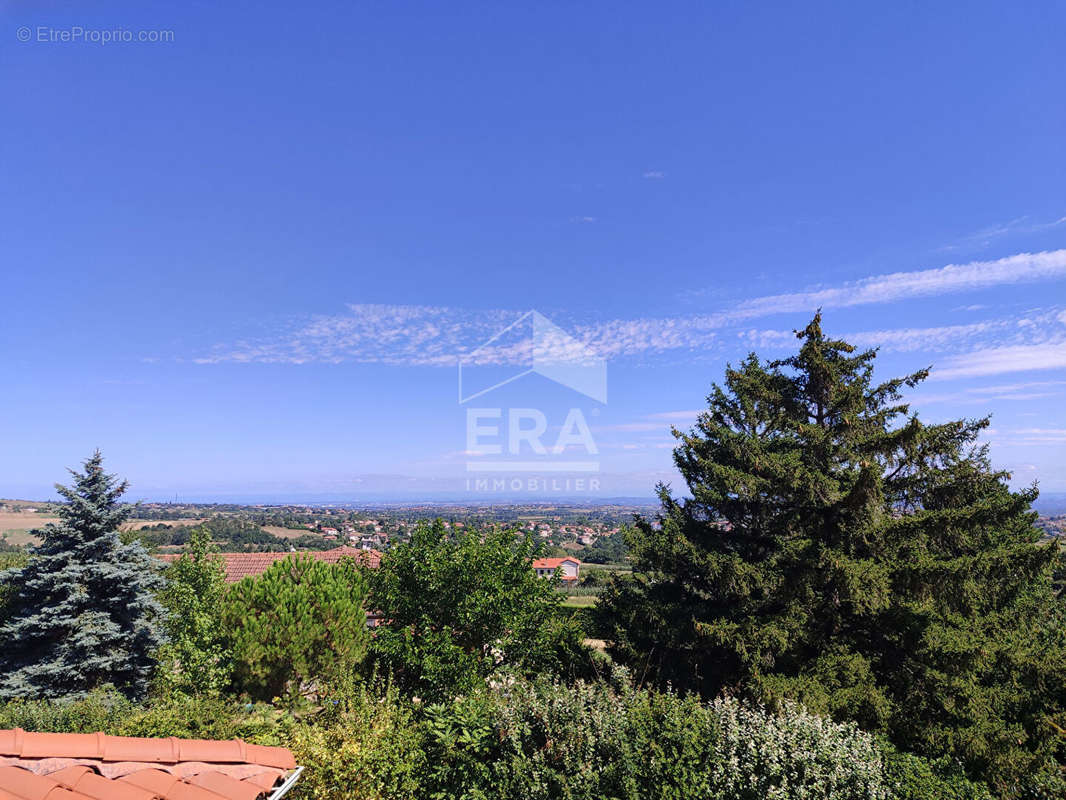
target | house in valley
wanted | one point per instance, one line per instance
(569, 568)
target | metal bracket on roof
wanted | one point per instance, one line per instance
(283, 790)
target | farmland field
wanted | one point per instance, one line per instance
(16, 525)
(137, 524)
(286, 533)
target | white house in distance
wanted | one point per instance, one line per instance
(568, 568)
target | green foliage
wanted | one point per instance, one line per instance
(587, 741)
(914, 778)
(297, 626)
(459, 610)
(6, 548)
(196, 658)
(236, 532)
(9, 560)
(82, 612)
(610, 549)
(839, 551)
(531, 741)
(102, 709)
(360, 746)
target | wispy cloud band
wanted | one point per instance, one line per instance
(1019, 268)
(438, 336)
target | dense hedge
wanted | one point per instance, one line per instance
(534, 741)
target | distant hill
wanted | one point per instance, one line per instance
(1051, 504)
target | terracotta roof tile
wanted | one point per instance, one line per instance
(280, 757)
(94, 766)
(167, 786)
(26, 785)
(264, 780)
(243, 565)
(83, 779)
(227, 786)
(553, 563)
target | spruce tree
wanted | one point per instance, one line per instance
(839, 551)
(82, 611)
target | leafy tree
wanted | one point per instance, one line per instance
(297, 626)
(607, 550)
(457, 611)
(82, 611)
(840, 551)
(196, 658)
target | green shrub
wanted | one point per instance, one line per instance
(208, 717)
(101, 710)
(361, 746)
(792, 754)
(518, 740)
(916, 778)
(589, 741)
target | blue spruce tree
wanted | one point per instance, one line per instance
(82, 612)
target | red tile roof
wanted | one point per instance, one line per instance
(243, 565)
(93, 766)
(553, 563)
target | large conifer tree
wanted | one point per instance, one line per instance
(82, 611)
(839, 551)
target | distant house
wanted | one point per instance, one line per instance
(243, 565)
(569, 568)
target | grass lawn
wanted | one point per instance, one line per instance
(584, 601)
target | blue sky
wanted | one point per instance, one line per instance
(244, 262)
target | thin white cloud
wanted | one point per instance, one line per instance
(1029, 390)
(690, 414)
(653, 174)
(891, 339)
(1020, 268)
(381, 334)
(438, 336)
(632, 427)
(1004, 360)
(1033, 436)
(658, 421)
(989, 234)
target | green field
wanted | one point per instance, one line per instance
(584, 601)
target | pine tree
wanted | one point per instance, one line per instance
(839, 551)
(82, 611)
(297, 628)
